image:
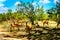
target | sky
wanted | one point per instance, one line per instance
(11, 4)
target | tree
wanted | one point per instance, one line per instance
(45, 16)
(21, 7)
(9, 14)
(58, 10)
(3, 17)
(52, 13)
(39, 12)
(31, 13)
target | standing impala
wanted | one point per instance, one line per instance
(45, 22)
(16, 25)
(28, 28)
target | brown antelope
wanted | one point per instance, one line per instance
(28, 26)
(58, 22)
(16, 25)
(45, 22)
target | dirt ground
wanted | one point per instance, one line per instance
(2, 34)
(15, 38)
(5, 31)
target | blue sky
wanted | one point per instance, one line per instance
(11, 4)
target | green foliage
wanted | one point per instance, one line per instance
(45, 16)
(39, 13)
(58, 9)
(27, 11)
(52, 13)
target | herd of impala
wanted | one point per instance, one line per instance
(28, 27)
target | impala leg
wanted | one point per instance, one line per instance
(10, 29)
(18, 28)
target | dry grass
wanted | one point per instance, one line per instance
(4, 30)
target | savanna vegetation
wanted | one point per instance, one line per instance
(26, 13)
